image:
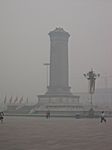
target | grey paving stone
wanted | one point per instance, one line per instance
(31, 133)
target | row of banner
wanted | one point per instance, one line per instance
(14, 101)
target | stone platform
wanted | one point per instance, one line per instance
(58, 102)
(58, 105)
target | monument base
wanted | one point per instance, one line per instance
(58, 102)
(59, 106)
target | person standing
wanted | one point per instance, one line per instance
(103, 117)
(1, 116)
(48, 114)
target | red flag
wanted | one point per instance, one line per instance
(27, 100)
(16, 99)
(10, 100)
(21, 99)
(5, 99)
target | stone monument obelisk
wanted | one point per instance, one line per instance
(58, 95)
(59, 79)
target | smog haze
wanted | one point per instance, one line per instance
(25, 44)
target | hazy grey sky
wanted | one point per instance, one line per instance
(25, 45)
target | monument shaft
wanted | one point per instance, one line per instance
(59, 79)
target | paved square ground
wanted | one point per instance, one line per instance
(33, 133)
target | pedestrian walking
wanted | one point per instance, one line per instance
(103, 117)
(48, 114)
(1, 116)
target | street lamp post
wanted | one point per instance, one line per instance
(91, 77)
(47, 72)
